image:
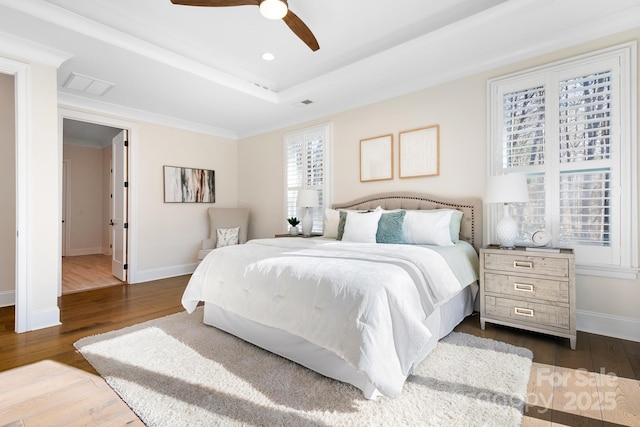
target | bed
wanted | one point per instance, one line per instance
(357, 311)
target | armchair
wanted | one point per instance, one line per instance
(224, 218)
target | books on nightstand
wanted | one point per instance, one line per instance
(543, 249)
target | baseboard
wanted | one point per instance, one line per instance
(626, 328)
(164, 273)
(84, 251)
(40, 319)
(7, 298)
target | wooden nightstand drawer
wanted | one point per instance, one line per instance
(528, 312)
(527, 287)
(529, 290)
(522, 263)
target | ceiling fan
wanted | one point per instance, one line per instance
(271, 9)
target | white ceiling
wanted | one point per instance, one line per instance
(200, 68)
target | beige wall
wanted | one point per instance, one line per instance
(7, 190)
(169, 234)
(85, 199)
(460, 108)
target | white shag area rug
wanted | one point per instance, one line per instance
(176, 371)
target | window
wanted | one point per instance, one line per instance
(570, 128)
(307, 160)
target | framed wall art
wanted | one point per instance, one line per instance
(189, 185)
(376, 158)
(420, 152)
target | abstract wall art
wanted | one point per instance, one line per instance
(189, 185)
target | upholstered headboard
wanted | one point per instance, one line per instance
(470, 228)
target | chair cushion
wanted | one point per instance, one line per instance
(228, 218)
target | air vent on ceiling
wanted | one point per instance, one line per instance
(87, 84)
(303, 103)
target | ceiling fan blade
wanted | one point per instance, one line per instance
(301, 30)
(217, 3)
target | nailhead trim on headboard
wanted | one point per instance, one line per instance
(472, 208)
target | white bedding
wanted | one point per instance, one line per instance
(367, 303)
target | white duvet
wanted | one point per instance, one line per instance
(365, 302)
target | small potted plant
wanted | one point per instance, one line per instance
(293, 221)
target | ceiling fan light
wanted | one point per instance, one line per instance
(273, 9)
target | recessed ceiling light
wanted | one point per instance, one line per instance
(268, 56)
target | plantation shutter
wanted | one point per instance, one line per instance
(585, 112)
(306, 168)
(561, 127)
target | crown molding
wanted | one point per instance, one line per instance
(66, 100)
(18, 47)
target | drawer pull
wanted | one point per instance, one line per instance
(523, 311)
(523, 264)
(525, 287)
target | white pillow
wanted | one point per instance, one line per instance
(331, 221)
(227, 236)
(361, 227)
(428, 227)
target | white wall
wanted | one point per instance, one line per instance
(608, 306)
(7, 191)
(43, 224)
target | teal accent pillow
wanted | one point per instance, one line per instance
(390, 227)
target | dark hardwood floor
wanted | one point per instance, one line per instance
(88, 313)
(595, 385)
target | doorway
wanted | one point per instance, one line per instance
(88, 202)
(7, 190)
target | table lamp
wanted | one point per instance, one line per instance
(307, 199)
(507, 189)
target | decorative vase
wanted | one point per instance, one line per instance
(293, 231)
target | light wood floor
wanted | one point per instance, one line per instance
(84, 272)
(595, 385)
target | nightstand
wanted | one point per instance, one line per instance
(529, 290)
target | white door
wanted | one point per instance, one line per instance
(64, 209)
(119, 207)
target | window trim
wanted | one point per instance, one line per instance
(327, 129)
(628, 194)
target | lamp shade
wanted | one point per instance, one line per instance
(507, 189)
(307, 199)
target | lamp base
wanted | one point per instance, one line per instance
(307, 223)
(507, 230)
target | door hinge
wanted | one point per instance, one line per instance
(126, 143)
(126, 225)
(126, 184)
(110, 246)
(126, 266)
